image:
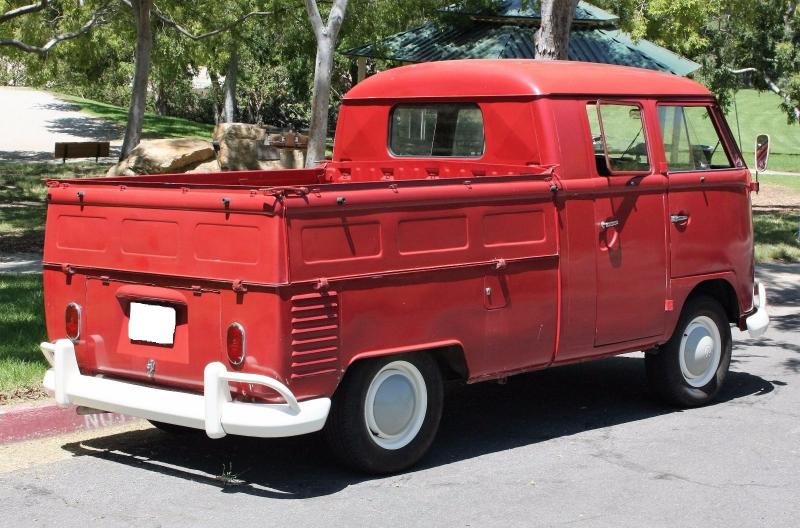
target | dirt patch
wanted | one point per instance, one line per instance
(776, 197)
(26, 242)
(22, 395)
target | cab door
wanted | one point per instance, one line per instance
(708, 201)
(629, 213)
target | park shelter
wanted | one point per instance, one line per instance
(506, 31)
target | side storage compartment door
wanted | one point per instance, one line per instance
(426, 264)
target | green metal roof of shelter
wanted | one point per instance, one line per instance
(507, 32)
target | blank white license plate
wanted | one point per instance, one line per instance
(152, 323)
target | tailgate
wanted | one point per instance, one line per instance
(180, 254)
(194, 333)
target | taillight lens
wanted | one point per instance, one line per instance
(235, 344)
(72, 321)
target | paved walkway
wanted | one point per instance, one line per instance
(21, 263)
(33, 120)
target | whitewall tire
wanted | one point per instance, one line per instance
(386, 412)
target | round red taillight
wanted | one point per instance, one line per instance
(72, 321)
(235, 344)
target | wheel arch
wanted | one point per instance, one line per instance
(723, 292)
(449, 356)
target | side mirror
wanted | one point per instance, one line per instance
(762, 152)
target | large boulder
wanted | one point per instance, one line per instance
(238, 145)
(238, 131)
(163, 156)
(248, 147)
(206, 166)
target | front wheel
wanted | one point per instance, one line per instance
(690, 368)
(386, 412)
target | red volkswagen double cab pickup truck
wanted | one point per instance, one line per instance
(478, 219)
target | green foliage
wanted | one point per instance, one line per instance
(154, 126)
(724, 35)
(276, 54)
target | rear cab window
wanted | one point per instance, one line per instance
(618, 138)
(691, 139)
(437, 130)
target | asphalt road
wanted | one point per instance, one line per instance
(33, 120)
(579, 445)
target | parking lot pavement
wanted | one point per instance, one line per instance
(583, 445)
(33, 120)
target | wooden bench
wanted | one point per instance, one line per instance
(82, 149)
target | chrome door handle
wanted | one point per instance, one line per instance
(605, 224)
(679, 218)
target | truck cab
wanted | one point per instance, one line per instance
(478, 219)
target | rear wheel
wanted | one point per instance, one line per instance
(690, 368)
(386, 412)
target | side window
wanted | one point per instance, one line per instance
(691, 141)
(448, 130)
(618, 138)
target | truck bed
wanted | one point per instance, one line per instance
(259, 248)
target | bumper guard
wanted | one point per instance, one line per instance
(214, 411)
(758, 322)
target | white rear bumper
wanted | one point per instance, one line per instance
(213, 411)
(758, 322)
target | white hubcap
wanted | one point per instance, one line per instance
(700, 352)
(395, 406)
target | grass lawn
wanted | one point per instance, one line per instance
(790, 181)
(759, 112)
(22, 329)
(154, 126)
(22, 194)
(776, 235)
(22, 212)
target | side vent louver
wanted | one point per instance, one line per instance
(315, 334)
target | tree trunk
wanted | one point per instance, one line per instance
(229, 112)
(552, 39)
(144, 45)
(320, 102)
(216, 94)
(161, 101)
(321, 99)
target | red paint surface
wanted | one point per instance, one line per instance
(500, 257)
(26, 423)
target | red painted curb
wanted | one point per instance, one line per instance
(25, 423)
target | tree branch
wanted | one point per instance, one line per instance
(316, 20)
(786, 99)
(23, 10)
(336, 17)
(96, 20)
(772, 86)
(186, 33)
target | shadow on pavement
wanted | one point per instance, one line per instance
(478, 420)
(60, 106)
(783, 287)
(88, 128)
(785, 323)
(26, 155)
